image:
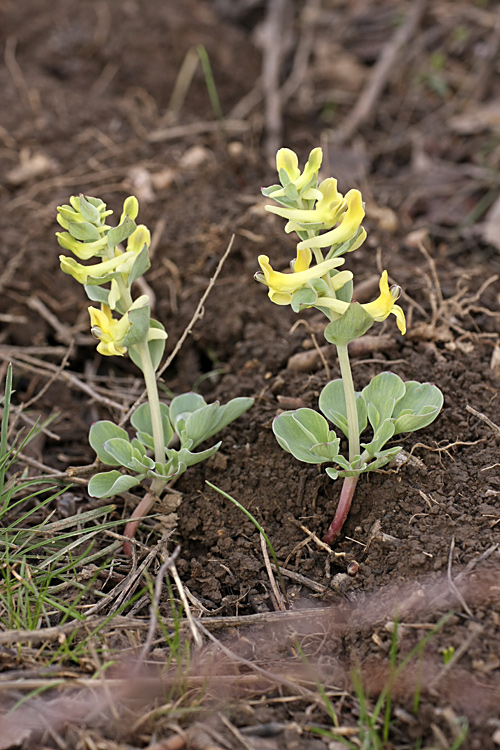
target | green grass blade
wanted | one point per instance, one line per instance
(5, 426)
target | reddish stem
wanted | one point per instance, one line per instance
(343, 508)
(142, 510)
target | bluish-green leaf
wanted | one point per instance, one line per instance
(200, 423)
(305, 434)
(121, 232)
(141, 421)
(383, 391)
(419, 406)
(182, 406)
(102, 431)
(268, 191)
(121, 450)
(302, 298)
(97, 294)
(350, 326)
(140, 266)
(231, 411)
(156, 348)
(338, 250)
(90, 211)
(111, 483)
(332, 404)
(190, 459)
(83, 231)
(139, 326)
(383, 433)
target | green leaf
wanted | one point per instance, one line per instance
(140, 266)
(332, 404)
(190, 459)
(121, 450)
(110, 483)
(99, 433)
(156, 348)
(82, 230)
(290, 191)
(419, 406)
(305, 297)
(121, 232)
(268, 191)
(97, 294)
(182, 406)
(337, 250)
(345, 292)
(305, 434)
(383, 391)
(200, 423)
(89, 211)
(100, 280)
(284, 178)
(231, 411)
(383, 433)
(141, 421)
(139, 326)
(350, 326)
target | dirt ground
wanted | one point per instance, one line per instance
(403, 98)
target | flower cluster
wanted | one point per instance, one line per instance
(88, 236)
(311, 208)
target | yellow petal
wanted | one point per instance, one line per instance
(312, 167)
(303, 260)
(340, 279)
(290, 282)
(287, 159)
(400, 318)
(99, 318)
(139, 237)
(349, 224)
(384, 305)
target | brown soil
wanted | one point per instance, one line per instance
(86, 90)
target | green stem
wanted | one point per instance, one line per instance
(125, 295)
(350, 402)
(154, 405)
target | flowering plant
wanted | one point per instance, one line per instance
(387, 404)
(123, 325)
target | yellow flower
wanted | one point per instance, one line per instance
(385, 304)
(109, 331)
(349, 225)
(122, 263)
(112, 332)
(140, 236)
(82, 250)
(327, 211)
(379, 309)
(130, 208)
(282, 285)
(287, 160)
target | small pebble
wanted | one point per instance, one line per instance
(352, 568)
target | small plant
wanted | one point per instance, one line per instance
(448, 654)
(389, 405)
(124, 325)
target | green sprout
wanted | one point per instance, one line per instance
(389, 405)
(448, 654)
(123, 326)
